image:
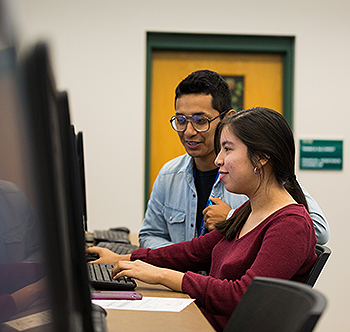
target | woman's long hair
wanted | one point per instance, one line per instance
(267, 135)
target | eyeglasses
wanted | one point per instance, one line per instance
(199, 122)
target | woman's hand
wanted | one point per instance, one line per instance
(106, 256)
(148, 273)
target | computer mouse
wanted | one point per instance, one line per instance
(120, 229)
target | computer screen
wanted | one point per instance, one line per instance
(56, 161)
(23, 258)
(75, 208)
(81, 167)
(41, 230)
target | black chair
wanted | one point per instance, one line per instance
(323, 254)
(275, 305)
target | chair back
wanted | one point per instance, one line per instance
(323, 254)
(275, 305)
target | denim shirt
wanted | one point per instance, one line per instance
(172, 208)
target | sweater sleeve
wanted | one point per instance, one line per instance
(7, 307)
(194, 255)
(286, 250)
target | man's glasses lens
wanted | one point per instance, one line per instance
(199, 122)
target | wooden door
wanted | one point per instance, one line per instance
(263, 86)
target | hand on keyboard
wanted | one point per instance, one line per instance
(106, 256)
(100, 278)
(148, 273)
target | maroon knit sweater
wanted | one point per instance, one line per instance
(282, 246)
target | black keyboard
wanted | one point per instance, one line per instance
(111, 236)
(100, 278)
(118, 248)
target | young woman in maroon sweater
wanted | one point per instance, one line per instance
(271, 235)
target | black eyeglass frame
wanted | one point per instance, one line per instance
(189, 119)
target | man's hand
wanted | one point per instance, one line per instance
(215, 213)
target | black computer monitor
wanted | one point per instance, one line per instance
(48, 158)
(81, 167)
(60, 183)
(36, 163)
(74, 200)
(24, 259)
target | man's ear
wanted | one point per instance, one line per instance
(230, 112)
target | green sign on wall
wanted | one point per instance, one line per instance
(321, 154)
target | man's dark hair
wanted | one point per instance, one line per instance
(206, 82)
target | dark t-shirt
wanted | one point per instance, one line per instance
(204, 182)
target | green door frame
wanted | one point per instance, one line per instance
(283, 45)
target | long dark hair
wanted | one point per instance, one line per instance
(267, 135)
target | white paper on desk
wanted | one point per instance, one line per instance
(147, 304)
(31, 321)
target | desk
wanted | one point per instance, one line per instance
(190, 319)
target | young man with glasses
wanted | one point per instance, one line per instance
(187, 197)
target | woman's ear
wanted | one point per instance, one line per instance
(264, 160)
(230, 112)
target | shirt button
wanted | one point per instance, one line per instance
(194, 195)
(192, 225)
(171, 218)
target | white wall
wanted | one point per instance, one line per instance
(98, 52)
